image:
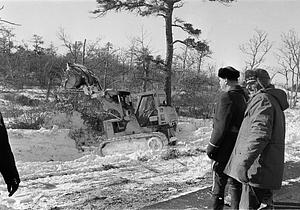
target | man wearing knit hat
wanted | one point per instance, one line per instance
(228, 116)
(257, 159)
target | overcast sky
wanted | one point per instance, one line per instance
(225, 27)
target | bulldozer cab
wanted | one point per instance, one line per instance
(119, 101)
(152, 110)
(147, 113)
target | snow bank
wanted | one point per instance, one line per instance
(42, 145)
(292, 137)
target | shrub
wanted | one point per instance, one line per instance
(171, 153)
(21, 99)
(30, 119)
(11, 112)
(197, 95)
(85, 137)
(26, 101)
(90, 109)
(143, 158)
(174, 153)
(9, 97)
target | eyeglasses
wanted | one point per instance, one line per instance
(251, 85)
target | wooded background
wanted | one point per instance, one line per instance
(187, 73)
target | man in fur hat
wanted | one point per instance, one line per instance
(257, 159)
(228, 116)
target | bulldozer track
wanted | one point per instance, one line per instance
(138, 136)
(133, 138)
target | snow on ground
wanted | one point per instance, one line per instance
(43, 145)
(56, 176)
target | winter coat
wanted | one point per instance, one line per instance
(229, 112)
(7, 162)
(260, 144)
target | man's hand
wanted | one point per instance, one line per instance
(211, 151)
(13, 186)
(242, 173)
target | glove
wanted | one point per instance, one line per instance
(12, 186)
(242, 174)
(211, 152)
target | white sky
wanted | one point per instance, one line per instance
(225, 27)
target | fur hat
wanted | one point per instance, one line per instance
(229, 73)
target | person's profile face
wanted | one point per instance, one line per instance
(251, 86)
(222, 83)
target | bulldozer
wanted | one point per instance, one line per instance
(146, 125)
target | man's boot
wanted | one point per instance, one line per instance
(235, 197)
(218, 202)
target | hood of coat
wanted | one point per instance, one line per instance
(279, 95)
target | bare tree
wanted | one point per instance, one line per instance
(289, 58)
(184, 58)
(202, 52)
(6, 21)
(126, 61)
(284, 70)
(91, 50)
(6, 46)
(192, 58)
(183, 62)
(256, 49)
(37, 42)
(108, 52)
(143, 58)
(83, 52)
(74, 48)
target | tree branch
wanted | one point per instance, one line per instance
(9, 22)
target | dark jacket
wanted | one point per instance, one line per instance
(260, 144)
(227, 120)
(7, 162)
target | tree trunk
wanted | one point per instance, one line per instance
(297, 86)
(199, 64)
(287, 83)
(48, 89)
(145, 79)
(292, 90)
(83, 52)
(105, 74)
(169, 54)
(11, 73)
(184, 58)
(75, 53)
(297, 77)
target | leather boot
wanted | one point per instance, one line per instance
(218, 202)
(235, 198)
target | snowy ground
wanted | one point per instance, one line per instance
(56, 176)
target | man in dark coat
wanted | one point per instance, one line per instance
(257, 160)
(8, 167)
(229, 112)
